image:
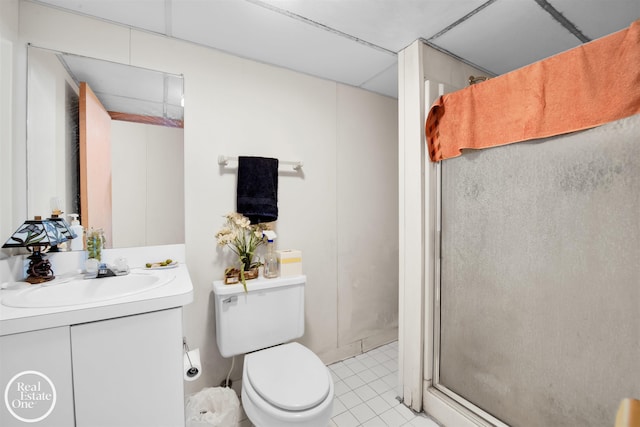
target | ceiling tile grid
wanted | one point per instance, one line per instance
(390, 24)
(598, 18)
(144, 14)
(506, 35)
(254, 32)
(355, 42)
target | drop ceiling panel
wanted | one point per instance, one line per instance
(386, 82)
(144, 14)
(252, 31)
(507, 35)
(129, 89)
(118, 79)
(391, 24)
(597, 18)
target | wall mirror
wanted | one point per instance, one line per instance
(106, 141)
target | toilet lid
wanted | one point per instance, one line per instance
(288, 376)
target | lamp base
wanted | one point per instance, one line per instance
(35, 280)
(39, 269)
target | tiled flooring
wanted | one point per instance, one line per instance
(365, 388)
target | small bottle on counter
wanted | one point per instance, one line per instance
(77, 244)
(270, 259)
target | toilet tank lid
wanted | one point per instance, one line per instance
(288, 376)
(259, 284)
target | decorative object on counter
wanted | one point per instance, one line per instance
(243, 238)
(36, 235)
(62, 228)
(289, 262)
(160, 265)
(271, 269)
(91, 266)
(95, 243)
(232, 275)
(77, 244)
(257, 188)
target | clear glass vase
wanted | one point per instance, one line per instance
(95, 243)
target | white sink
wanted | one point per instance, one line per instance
(78, 290)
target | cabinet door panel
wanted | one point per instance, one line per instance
(128, 371)
(29, 361)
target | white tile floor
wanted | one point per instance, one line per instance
(365, 388)
(365, 392)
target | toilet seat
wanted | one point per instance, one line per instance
(264, 409)
(289, 377)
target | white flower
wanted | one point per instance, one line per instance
(242, 237)
(243, 222)
(225, 236)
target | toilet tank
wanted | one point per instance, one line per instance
(270, 313)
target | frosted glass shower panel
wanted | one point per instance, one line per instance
(540, 278)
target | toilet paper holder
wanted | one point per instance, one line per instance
(192, 371)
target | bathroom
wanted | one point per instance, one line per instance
(235, 106)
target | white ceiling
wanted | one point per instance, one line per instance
(356, 41)
(126, 89)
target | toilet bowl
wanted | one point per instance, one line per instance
(287, 385)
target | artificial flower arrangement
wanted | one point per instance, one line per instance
(243, 238)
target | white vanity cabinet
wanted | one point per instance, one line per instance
(128, 371)
(117, 372)
(27, 360)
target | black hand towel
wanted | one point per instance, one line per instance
(257, 190)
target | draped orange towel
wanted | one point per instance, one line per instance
(581, 88)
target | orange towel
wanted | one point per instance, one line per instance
(581, 88)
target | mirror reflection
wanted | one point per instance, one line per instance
(105, 141)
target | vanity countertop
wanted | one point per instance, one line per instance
(177, 292)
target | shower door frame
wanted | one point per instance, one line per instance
(423, 74)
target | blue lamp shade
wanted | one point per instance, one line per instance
(63, 231)
(36, 233)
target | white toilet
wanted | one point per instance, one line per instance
(282, 384)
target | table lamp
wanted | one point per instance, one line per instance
(36, 235)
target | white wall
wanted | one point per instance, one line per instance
(12, 179)
(51, 136)
(341, 213)
(367, 197)
(147, 179)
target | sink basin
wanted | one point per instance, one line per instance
(78, 290)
